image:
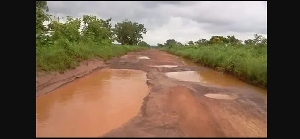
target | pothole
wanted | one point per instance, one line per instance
(220, 96)
(143, 57)
(79, 109)
(164, 66)
(191, 76)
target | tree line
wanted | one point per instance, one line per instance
(100, 30)
(258, 40)
(94, 29)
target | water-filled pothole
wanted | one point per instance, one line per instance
(92, 105)
(164, 66)
(191, 76)
(220, 96)
(216, 78)
(143, 57)
(206, 76)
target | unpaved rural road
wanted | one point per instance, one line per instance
(176, 108)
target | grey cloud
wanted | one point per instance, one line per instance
(229, 16)
(211, 17)
(153, 4)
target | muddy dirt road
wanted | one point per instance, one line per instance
(179, 103)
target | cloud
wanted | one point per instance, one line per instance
(179, 20)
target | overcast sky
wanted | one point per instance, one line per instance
(179, 20)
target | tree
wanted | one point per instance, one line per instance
(41, 8)
(129, 33)
(264, 41)
(160, 45)
(201, 42)
(225, 40)
(97, 29)
(42, 5)
(233, 40)
(214, 40)
(258, 40)
(68, 30)
(191, 43)
(41, 16)
(143, 43)
(179, 44)
(170, 42)
(249, 41)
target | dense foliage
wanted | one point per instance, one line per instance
(258, 40)
(247, 61)
(129, 33)
(60, 46)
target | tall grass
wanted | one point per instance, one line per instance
(66, 45)
(67, 55)
(248, 62)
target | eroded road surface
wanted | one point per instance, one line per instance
(182, 99)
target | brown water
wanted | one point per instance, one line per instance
(210, 76)
(206, 76)
(220, 96)
(143, 57)
(92, 105)
(164, 66)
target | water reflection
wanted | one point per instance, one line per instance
(143, 57)
(211, 76)
(91, 106)
(164, 66)
(220, 96)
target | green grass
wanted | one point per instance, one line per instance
(67, 55)
(246, 62)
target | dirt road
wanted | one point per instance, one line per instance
(176, 108)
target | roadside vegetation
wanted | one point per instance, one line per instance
(61, 46)
(247, 60)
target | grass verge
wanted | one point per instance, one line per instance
(249, 62)
(66, 55)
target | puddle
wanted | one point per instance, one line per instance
(143, 57)
(207, 76)
(164, 66)
(216, 78)
(189, 62)
(92, 105)
(211, 76)
(191, 76)
(219, 96)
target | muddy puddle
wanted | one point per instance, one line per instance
(143, 57)
(220, 96)
(92, 105)
(206, 76)
(164, 66)
(191, 76)
(210, 76)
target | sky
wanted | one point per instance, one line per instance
(179, 20)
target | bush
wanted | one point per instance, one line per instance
(66, 46)
(248, 62)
